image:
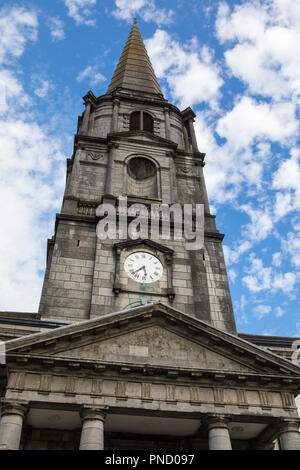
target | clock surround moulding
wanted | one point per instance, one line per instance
(151, 245)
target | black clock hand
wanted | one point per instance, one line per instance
(143, 267)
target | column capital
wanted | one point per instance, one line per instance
(217, 421)
(93, 413)
(289, 425)
(14, 408)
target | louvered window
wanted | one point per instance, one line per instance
(141, 121)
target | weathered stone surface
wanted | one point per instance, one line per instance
(155, 345)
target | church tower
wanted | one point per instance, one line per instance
(135, 346)
(132, 142)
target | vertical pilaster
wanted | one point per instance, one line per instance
(110, 168)
(173, 181)
(289, 435)
(169, 265)
(186, 139)
(204, 195)
(115, 116)
(218, 433)
(92, 433)
(167, 123)
(86, 118)
(12, 417)
(193, 135)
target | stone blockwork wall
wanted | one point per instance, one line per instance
(199, 281)
(133, 294)
(67, 294)
(101, 120)
(176, 130)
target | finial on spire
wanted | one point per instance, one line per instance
(134, 20)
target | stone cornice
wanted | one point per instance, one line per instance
(154, 139)
(138, 371)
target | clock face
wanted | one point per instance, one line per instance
(143, 267)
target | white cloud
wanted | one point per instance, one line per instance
(91, 74)
(31, 173)
(262, 278)
(285, 282)
(287, 178)
(29, 195)
(279, 312)
(250, 121)
(262, 310)
(181, 65)
(264, 39)
(261, 223)
(261, 40)
(232, 274)
(232, 255)
(17, 26)
(291, 246)
(277, 259)
(56, 27)
(42, 86)
(259, 278)
(296, 224)
(11, 90)
(128, 9)
(80, 11)
(240, 313)
(240, 161)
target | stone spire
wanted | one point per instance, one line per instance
(134, 70)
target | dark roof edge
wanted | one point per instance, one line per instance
(279, 341)
(33, 322)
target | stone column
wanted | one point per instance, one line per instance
(92, 433)
(12, 417)
(218, 433)
(193, 135)
(86, 118)
(110, 168)
(289, 435)
(115, 116)
(141, 121)
(167, 123)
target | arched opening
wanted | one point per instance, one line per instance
(141, 121)
(148, 123)
(142, 178)
(135, 121)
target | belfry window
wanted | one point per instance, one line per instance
(141, 121)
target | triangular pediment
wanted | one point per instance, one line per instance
(155, 345)
(155, 335)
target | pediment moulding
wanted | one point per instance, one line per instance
(253, 365)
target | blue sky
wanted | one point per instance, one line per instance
(236, 63)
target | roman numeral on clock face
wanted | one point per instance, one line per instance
(143, 267)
